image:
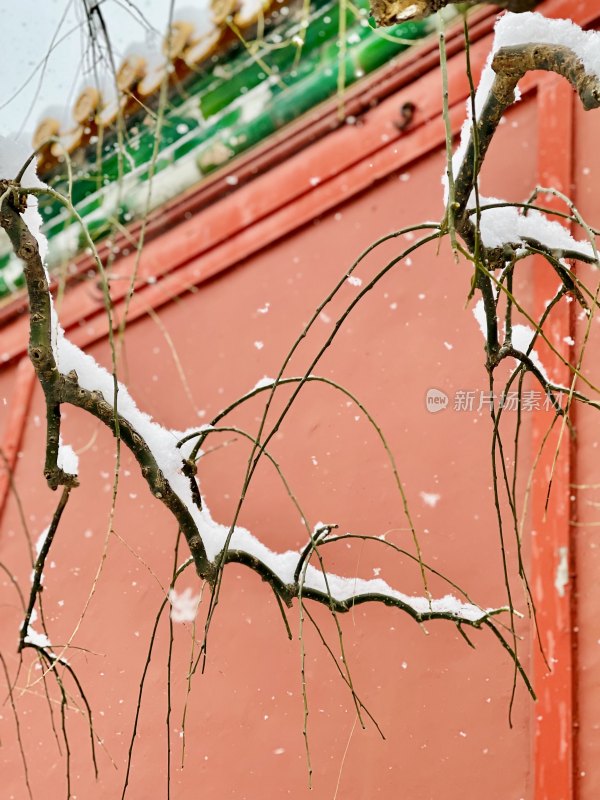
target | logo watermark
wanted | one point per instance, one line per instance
(476, 400)
(436, 400)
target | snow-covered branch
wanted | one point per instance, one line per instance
(496, 232)
(390, 12)
(68, 375)
(522, 43)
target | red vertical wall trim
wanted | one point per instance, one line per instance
(15, 424)
(551, 550)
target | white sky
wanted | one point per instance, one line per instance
(45, 52)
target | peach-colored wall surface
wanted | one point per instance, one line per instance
(442, 706)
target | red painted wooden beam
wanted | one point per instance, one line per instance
(552, 567)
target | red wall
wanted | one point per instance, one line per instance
(442, 706)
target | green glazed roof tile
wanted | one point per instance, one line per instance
(242, 98)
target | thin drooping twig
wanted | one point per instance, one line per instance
(38, 570)
(15, 584)
(169, 664)
(335, 661)
(17, 725)
(450, 205)
(255, 456)
(202, 434)
(314, 548)
(138, 707)
(20, 509)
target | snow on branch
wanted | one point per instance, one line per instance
(502, 223)
(69, 375)
(498, 233)
(522, 43)
(390, 12)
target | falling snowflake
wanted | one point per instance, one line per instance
(184, 606)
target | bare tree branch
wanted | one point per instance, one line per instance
(390, 12)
